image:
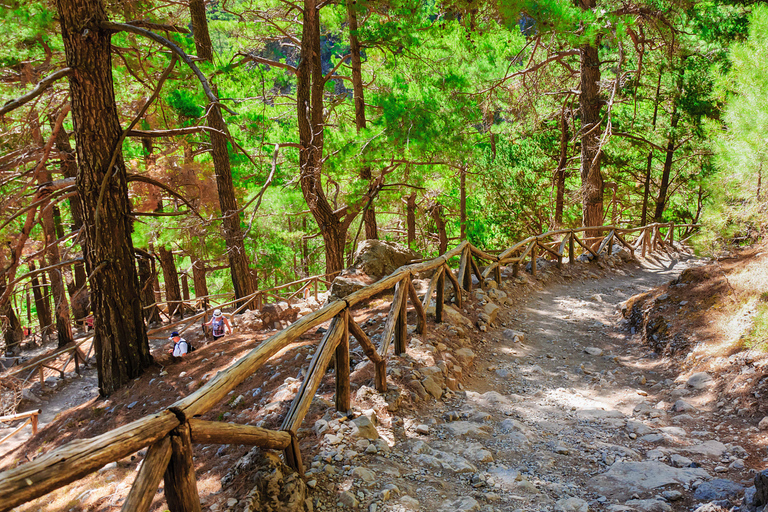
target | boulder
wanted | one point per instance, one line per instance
(365, 427)
(377, 258)
(492, 310)
(626, 478)
(700, 380)
(718, 489)
(465, 356)
(272, 314)
(250, 321)
(761, 489)
(349, 283)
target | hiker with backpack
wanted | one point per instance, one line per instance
(180, 347)
(219, 325)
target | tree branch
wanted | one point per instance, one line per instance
(120, 27)
(34, 93)
(146, 179)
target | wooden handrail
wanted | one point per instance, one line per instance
(78, 458)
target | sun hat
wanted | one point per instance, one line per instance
(217, 312)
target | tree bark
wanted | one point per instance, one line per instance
(560, 171)
(589, 106)
(146, 278)
(58, 288)
(122, 350)
(69, 170)
(410, 217)
(463, 201)
(172, 290)
(12, 331)
(203, 45)
(42, 307)
(437, 215)
(198, 279)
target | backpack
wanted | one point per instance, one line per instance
(190, 348)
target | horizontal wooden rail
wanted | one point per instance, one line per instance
(218, 432)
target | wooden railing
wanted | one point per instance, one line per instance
(169, 434)
(30, 416)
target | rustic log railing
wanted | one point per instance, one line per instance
(169, 434)
(30, 416)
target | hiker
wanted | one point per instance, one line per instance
(219, 325)
(180, 347)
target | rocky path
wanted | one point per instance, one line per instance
(562, 409)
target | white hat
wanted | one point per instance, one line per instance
(216, 312)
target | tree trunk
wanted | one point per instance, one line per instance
(647, 184)
(146, 278)
(560, 171)
(69, 170)
(463, 201)
(309, 96)
(184, 287)
(12, 331)
(42, 307)
(122, 350)
(203, 45)
(369, 215)
(172, 290)
(437, 214)
(589, 106)
(661, 200)
(58, 288)
(198, 279)
(242, 280)
(410, 217)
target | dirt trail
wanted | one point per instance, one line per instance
(579, 414)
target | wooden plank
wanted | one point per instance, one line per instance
(16, 430)
(454, 283)
(476, 271)
(380, 364)
(343, 391)
(463, 269)
(431, 288)
(367, 345)
(315, 373)
(219, 432)
(145, 486)
(217, 388)
(180, 481)
(293, 456)
(605, 242)
(483, 255)
(625, 244)
(401, 324)
(394, 313)
(440, 297)
(21, 415)
(584, 246)
(421, 314)
(550, 251)
(78, 458)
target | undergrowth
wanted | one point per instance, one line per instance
(757, 337)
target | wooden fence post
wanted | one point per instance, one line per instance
(440, 292)
(644, 237)
(145, 486)
(401, 324)
(571, 251)
(533, 258)
(497, 273)
(180, 481)
(342, 367)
